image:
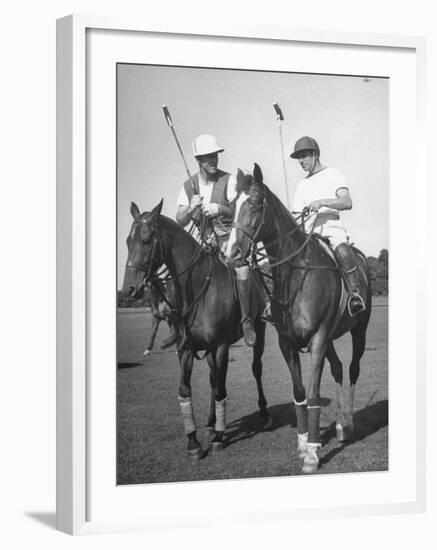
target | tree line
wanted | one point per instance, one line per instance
(379, 273)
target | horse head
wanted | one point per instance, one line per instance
(144, 251)
(249, 217)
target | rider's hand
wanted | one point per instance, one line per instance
(196, 200)
(211, 209)
(315, 206)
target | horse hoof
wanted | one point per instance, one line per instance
(195, 454)
(146, 352)
(217, 447)
(310, 467)
(302, 452)
(267, 422)
(311, 460)
(210, 430)
(344, 433)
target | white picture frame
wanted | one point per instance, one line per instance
(73, 339)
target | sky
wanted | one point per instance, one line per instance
(347, 115)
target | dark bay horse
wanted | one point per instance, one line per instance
(207, 308)
(307, 290)
(162, 296)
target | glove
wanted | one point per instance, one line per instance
(196, 200)
(211, 209)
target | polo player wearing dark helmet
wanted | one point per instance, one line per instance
(325, 193)
(213, 192)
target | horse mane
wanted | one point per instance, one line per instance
(279, 209)
(178, 228)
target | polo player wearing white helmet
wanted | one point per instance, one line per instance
(325, 192)
(212, 190)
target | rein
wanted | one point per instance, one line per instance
(253, 255)
(149, 276)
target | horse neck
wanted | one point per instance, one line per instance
(178, 246)
(186, 262)
(285, 241)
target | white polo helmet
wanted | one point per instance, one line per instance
(205, 145)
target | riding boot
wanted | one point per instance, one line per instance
(346, 259)
(245, 294)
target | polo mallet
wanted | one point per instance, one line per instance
(280, 118)
(170, 123)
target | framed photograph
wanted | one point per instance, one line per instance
(164, 134)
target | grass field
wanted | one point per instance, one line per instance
(151, 444)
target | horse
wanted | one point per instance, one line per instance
(307, 289)
(161, 298)
(207, 309)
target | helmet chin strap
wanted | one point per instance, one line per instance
(311, 171)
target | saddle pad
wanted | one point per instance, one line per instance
(328, 249)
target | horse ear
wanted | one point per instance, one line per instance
(240, 179)
(157, 210)
(257, 174)
(134, 210)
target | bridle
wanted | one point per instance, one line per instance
(147, 267)
(152, 274)
(253, 255)
(252, 235)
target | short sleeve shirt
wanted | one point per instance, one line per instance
(205, 191)
(322, 185)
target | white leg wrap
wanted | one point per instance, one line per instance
(187, 414)
(311, 459)
(220, 415)
(304, 402)
(302, 441)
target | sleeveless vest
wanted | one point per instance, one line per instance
(222, 224)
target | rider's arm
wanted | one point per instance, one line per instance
(186, 209)
(184, 215)
(226, 211)
(343, 201)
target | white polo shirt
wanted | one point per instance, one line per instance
(322, 185)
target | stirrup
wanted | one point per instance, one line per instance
(360, 305)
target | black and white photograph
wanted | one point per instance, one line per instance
(252, 274)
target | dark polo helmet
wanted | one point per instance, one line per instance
(305, 144)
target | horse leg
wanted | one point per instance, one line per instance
(186, 406)
(218, 364)
(210, 425)
(292, 359)
(155, 326)
(173, 337)
(257, 367)
(358, 348)
(311, 459)
(342, 429)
